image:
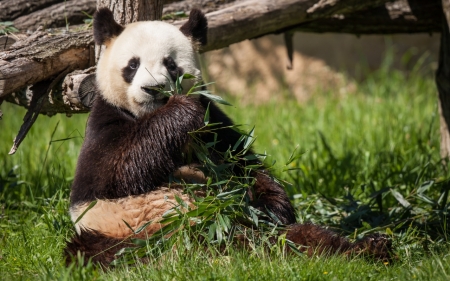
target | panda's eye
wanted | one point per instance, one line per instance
(133, 63)
(172, 67)
(129, 71)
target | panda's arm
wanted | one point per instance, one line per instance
(152, 148)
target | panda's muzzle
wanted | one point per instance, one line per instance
(155, 91)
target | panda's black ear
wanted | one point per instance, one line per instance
(196, 27)
(105, 27)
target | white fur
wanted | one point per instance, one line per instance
(150, 41)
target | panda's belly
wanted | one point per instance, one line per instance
(108, 216)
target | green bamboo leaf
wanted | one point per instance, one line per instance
(142, 227)
(425, 186)
(138, 242)
(219, 233)
(254, 216)
(238, 142)
(426, 199)
(250, 139)
(129, 226)
(211, 97)
(294, 156)
(181, 202)
(400, 198)
(206, 118)
(223, 223)
(212, 231)
(293, 247)
(91, 205)
(274, 217)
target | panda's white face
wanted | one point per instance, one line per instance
(145, 58)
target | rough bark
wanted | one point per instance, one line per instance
(206, 6)
(61, 14)
(254, 18)
(12, 9)
(127, 11)
(6, 41)
(401, 16)
(45, 57)
(443, 81)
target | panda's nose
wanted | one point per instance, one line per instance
(153, 90)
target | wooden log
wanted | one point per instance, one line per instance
(47, 57)
(127, 11)
(74, 94)
(443, 82)
(402, 16)
(255, 18)
(6, 41)
(207, 6)
(61, 14)
(12, 9)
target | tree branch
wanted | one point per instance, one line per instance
(12, 9)
(67, 12)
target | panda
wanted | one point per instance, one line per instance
(136, 136)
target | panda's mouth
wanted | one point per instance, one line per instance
(156, 92)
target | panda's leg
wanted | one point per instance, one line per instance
(267, 194)
(94, 246)
(319, 240)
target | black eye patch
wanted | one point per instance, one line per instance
(129, 71)
(173, 69)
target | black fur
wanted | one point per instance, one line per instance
(196, 27)
(124, 156)
(105, 27)
(94, 246)
(319, 240)
(174, 70)
(129, 71)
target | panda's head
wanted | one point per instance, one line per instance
(143, 58)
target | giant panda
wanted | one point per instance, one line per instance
(135, 139)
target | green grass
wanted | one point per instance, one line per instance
(352, 154)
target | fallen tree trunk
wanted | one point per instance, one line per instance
(12, 9)
(256, 18)
(46, 57)
(402, 16)
(61, 14)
